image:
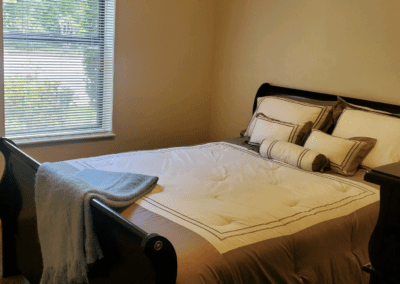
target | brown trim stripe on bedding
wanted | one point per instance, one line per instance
(301, 156)
(163, 207)
(348, 156)
(269, 150)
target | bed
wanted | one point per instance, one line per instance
(224, 212)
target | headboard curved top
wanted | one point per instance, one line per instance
(267, 89)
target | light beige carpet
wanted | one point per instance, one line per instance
(10, 280)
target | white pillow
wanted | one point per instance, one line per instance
(344, 155)
(266, 127)
(385, 128)
(293, 111)
(341, 101)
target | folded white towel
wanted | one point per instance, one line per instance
(66, 234)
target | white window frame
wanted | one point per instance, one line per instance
(108, 80)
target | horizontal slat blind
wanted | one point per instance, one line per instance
(58, 67)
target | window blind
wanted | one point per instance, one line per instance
(58, 67)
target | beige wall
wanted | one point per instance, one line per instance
(187, 71)
(162, 85)
(349, 48)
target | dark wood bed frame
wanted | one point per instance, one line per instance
(127, 248)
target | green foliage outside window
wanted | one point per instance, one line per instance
(47, 30)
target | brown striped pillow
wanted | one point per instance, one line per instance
(266, 127)
(344, 155)
(290, 110)
(292, 154)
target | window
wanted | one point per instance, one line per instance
(58, 68)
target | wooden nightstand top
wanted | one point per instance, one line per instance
(391, 170)
(384, 175)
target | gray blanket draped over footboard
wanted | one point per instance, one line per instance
(65, 226)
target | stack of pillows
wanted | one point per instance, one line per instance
(293, 130)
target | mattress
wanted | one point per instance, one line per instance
(236, 217)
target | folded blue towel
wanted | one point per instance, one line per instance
(65, 225)
(116, 185)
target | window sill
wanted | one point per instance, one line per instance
(43, 141)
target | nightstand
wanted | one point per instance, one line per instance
(384, 245)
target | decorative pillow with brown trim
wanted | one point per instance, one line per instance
(290, 110)
(265, 127)
(292, 154)
(344, 155)
(337, 107)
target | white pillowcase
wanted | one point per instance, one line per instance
(279, 130)
(385, 128)
(293, 111)
(344, 155)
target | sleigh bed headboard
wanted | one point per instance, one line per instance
(269, 90)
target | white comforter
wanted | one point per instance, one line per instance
(232, 196)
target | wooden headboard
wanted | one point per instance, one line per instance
(267, 89)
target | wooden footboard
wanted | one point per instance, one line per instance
(131, 255)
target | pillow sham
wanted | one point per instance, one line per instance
(344, 155)
(292, 154)
(375, 124)
(337, 107)
(346, 104)
(266, 127)
(289, 110)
